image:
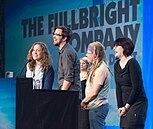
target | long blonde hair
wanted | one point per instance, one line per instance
(100, 56)
(46, 61)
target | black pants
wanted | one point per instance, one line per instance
(83, 119)
(134, 128)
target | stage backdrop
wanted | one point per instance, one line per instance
(30, 21)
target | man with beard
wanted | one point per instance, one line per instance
(68, 63)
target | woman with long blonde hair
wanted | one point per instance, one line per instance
(40, 66)
(84, 67)
(97, 86)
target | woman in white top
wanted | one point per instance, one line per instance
(40, 66)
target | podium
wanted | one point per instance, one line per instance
(38, 109)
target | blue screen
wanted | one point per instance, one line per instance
(7, 103)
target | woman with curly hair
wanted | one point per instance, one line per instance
(40, 66)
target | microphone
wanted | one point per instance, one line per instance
(19, 74)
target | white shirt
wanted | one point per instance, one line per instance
(37, 77)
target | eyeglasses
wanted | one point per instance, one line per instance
(57, 34)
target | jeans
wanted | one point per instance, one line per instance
(97, 117)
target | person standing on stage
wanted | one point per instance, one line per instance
(39, 66)
(131, 98)
(84, 68)
(68, 63)
(97, 86)
(84, 114)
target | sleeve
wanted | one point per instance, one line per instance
(29, 74)
(136, 80)
(68, 66)
(48, 78)
(118, 87)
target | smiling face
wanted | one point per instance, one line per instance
(118, 52)
(57, 37)
(37, 52)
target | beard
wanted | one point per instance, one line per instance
(57, 43)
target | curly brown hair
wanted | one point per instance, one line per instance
(46, 60)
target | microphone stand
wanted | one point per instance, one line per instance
(21, 70)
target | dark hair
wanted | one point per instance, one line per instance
(126, 44)
(66, 32)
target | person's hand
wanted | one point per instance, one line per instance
(122, 111)
(84, 105)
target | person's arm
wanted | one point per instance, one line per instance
(68, 68)
(121, 108)
(98, 81)
(29, 73)
(66, 85)
(136, 81)
(91, 96)
(118, 87)
(48, 78)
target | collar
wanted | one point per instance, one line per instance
(63, 48)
